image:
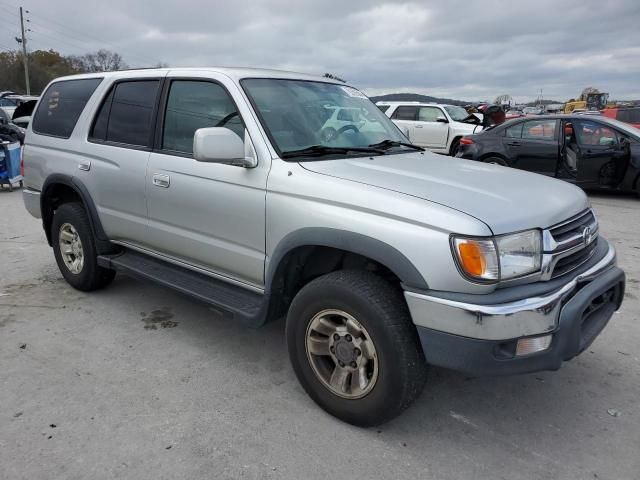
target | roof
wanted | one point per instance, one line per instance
(419, 104)
(236, 73)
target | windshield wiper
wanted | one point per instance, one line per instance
(386, 144)
(318, 150)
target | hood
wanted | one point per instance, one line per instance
(473, 118)
(504, 198)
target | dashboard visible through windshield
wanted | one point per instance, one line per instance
(324, 118)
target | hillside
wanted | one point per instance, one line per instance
(415, 97)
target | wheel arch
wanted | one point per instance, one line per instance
(58, 189)
(308, 253)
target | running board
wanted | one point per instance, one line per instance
(247, 306)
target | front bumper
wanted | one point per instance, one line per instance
(480, 339)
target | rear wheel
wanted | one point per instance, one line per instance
(75, 251)
(496, 161)
(354, 348)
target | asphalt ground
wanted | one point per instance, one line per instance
(137, 381)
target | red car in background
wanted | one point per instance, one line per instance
(624, 114)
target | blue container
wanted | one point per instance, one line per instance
(10, 162)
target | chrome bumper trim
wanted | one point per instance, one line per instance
(529, 316)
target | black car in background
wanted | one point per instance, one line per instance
(590, 151)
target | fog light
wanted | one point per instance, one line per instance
(527, 346)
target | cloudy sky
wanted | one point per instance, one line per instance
(469, 50)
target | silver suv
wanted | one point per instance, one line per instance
(227, 185)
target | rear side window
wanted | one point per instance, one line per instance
(126, 113)
(539, 130)
(405, 113)
(61, 105)
(514, 132)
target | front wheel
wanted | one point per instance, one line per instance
(354, 347)
(455, 146)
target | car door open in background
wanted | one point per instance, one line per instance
(603, 157)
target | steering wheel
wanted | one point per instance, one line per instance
(329, 134)
(226, 119)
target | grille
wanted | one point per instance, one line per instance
(575, 242)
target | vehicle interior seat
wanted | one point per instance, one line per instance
(571, 148)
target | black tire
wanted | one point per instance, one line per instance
(497, 161)
(381, 309)
(455, 145)
(91, 276)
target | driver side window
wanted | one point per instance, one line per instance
(193, 104)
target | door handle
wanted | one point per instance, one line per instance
(418, 126)
(86, 166)
(514, 144)
(161, 180)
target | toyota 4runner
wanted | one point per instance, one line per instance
(225, 185)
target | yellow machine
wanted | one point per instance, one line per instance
(590, 99)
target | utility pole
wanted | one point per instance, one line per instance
(24, 54)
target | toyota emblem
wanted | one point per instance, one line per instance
(586, 235)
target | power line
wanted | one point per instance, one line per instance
(143, 59)
(130, 53)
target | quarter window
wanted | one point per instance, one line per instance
(405, 113)
(61, 106)
(195, 104)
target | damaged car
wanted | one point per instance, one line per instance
(591, 152)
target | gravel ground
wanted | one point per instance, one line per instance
(139, 382)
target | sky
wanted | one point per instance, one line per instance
(469, 50)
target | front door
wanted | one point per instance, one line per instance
(430, 132)
(209, 215)
(533, 145)
(602, 158)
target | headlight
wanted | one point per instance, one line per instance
(499, 258)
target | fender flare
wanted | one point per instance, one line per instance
(370, 247)
(76, 185)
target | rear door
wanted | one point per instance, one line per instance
(533, 145)
(118, 148)
(405, 117)
(602, 159)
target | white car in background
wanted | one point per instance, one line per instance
(343, 119)
(435, 127)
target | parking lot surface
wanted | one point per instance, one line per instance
(137, 381)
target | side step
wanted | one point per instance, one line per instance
(245, 305)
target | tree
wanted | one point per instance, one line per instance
(503, 99)
(101, 61)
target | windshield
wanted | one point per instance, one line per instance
(299, 114)
(457, 114)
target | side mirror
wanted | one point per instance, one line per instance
(441, 119)
(221, 145)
